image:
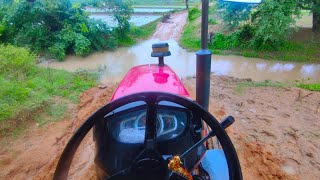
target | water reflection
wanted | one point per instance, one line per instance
(221, 67)
(281, 67)
(116, 64)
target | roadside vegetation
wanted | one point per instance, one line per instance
(242, 85)
(138, 33)
(30, 93)
(267, 83)
(267, 31)
(246, 30)
(311, 87)
(27, 91)
(56, 28)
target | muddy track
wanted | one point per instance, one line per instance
(276, 133)
(36, 153)
(172, 27)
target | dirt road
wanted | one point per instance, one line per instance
(276, 132)
(34, 154)
(172, 27)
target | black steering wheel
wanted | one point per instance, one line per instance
(149, 164)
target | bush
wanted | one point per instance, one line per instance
(273, 22)
(264, 27)
(122, 10)
(193, 14)
(54, 26)
(223, 42)
(16, 61)
(26, 87)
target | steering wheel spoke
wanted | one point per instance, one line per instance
(151, 124)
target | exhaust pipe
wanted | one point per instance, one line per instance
(203, 61)
(203, 65)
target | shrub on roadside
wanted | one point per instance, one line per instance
(16, 61)
(54, 26)
(273, 21)
(193, 14)
(26, 87)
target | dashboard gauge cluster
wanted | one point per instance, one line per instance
(130, 127)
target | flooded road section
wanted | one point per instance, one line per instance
(114, 65)
(136, 19)
(140, 17)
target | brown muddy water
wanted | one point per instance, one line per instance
(114, 65)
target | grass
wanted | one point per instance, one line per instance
(189, 38)
(52, 112)
(311, 87)
(139, 33)
(290, 51)
(242, 85)
(27, 90)
(38, 88)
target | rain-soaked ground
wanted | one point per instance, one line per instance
(276, 133)
(114, 65)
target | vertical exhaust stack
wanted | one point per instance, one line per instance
(203, 61)
(160, 50)
(203, 65)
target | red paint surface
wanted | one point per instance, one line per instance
(152, 78)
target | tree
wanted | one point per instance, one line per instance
(273, 21)
(233, 14)
(316, 16)
(122, 10)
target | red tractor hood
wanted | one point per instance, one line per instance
(150, 78)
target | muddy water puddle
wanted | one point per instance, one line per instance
(114, 65)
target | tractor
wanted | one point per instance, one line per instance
(153, 129)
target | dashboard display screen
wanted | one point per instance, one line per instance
(129, 126)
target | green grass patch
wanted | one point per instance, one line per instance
(39, 87)
(240, 88)
(54, 111)
(144, 31)
(27, 89)
(138, 33)
(189, 38)
(267, 83)
(311, 87)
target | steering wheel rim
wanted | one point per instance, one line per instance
(68, 153)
